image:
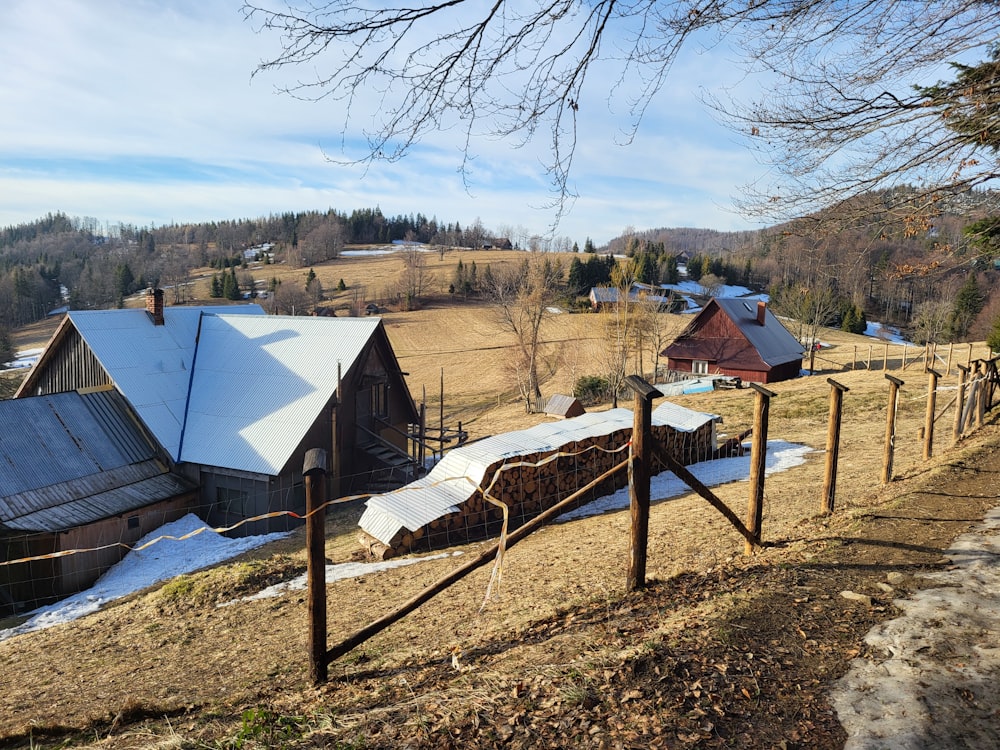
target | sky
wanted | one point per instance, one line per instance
(147, 113)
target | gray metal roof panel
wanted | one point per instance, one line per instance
(773, 342)
(289, 364)
(63, 437)
(150, 364)
(112, 502)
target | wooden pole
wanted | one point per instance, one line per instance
(360, 636)
(981, 401)
(639, 479)
(314, 472)
(422, 446)
(885, 358)
(837, 392)
(758, 459)
(441, 410)
(959, 427)
(929, 414)
(890, 428)
(951, 349)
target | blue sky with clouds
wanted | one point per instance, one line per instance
(145, 112)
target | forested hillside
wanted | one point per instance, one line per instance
(932, 276)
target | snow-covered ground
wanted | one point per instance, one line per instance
(187, 544)
(175, 548)
(934, 681)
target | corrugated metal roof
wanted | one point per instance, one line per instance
(454, 479)
(74, 459)
(63, 437)
(289, 367)
(112, 502)
(150, 365)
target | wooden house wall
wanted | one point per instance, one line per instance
(230, 497)
(71, 366)
(79, 571)
(26, 585)
(29, 585)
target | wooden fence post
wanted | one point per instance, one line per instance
(959, 426)
(981, 401)
(758, 462)
(314, 472)
(929, 414)
(951, 349)
(837, 392)
(639, 479)
(890, 428)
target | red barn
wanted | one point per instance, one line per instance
(739, 338)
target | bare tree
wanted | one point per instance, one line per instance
(415, 277)
(620, 328)
(523, 295)
(322, 243)
(839, 115)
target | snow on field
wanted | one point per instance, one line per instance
(25, 358)
(781, 456)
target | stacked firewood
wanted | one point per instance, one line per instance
(528, 484)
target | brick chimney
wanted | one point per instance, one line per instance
(761, 309)
(154, 305)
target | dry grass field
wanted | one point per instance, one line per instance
(721, 649)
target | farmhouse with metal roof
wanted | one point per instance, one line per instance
(234, 398)
(738, 338)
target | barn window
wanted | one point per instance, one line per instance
(133, 522)
(699, 367)
(380, 400)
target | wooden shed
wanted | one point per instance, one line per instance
(559, 405)
(81, 475)
(739, 338)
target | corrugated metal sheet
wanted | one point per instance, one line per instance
(289, 367)
(773, 342)
(150, 364)
(112, 502)
(63, 437)
(454, 479)
(75, 459)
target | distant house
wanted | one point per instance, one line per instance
(80, 475)
(234, 398)
(604, 296)
(738, 338)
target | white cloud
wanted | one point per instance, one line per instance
(146, 113)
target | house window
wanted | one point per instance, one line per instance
(699, 366)
(380, 400)
(232, 501)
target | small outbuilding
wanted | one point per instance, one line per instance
(739, 338)
(81, 475)
(559, 405)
